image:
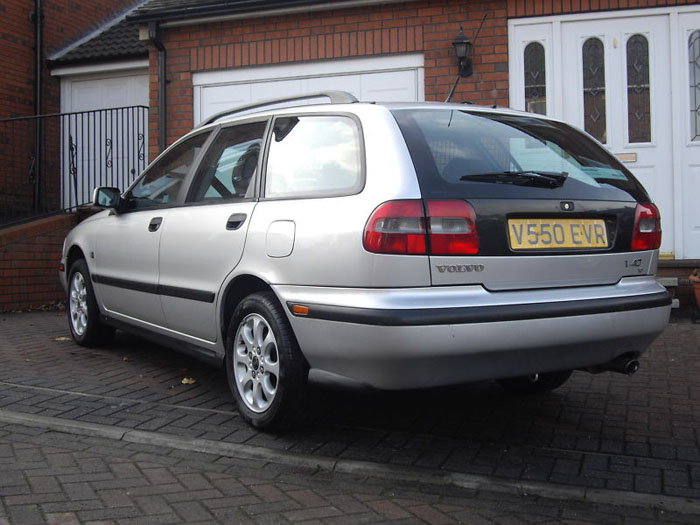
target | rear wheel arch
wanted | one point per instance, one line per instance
(237, 290)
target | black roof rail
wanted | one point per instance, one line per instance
(336, 97)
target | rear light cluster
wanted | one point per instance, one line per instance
(647, 228)
(443, 227)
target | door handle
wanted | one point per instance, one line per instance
(155, 224)
(235, 221)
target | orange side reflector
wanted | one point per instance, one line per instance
(61, 268)
(300, 310)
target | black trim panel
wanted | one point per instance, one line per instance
(160, 289)
(205, 354)
(482, 314)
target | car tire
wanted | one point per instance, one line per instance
(536, 383)
(83, 312)
(266, 371)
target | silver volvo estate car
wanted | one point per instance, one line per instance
(393, 246)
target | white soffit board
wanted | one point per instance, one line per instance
(381, 79)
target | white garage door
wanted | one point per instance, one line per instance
(91, 92)
(105, 134)
(381, 79)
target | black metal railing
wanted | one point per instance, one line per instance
(78, 152)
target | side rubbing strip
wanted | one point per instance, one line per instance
(185, 293)
(123, 283)
(483, 314)
(172, 291)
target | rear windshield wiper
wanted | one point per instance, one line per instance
(522, 178)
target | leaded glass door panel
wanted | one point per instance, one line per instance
(615, 80)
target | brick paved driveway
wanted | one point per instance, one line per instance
(55, 478)
(639, 433)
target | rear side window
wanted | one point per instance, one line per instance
(314, 156)
(489, 155)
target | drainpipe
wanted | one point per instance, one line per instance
(155, 41)
(38, 16)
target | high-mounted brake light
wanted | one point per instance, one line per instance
(452, 228)
(396, 227)
(647, 228)
(401, 227)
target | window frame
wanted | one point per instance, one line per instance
(545, 86)
(627, 135)
(605, 89)
(693, 132)
(190, 179)
(186, 181)
(361, 144)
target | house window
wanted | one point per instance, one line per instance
(535, 79)
(694, 70)
(594, 116)
(638, 102)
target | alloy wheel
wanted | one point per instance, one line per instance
(78, 304)
(256, 364)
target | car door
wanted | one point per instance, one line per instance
(202, 241)
(126, 255)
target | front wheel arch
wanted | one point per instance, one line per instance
(85, 324)
(74, 254)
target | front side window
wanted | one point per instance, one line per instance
(162, 182)
(230, 164)
(314, 156)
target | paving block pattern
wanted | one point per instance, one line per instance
(55, 478)
(636, 434)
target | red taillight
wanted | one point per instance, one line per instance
(452, 228)
(647, 228)
(396, 227)
(400, 227)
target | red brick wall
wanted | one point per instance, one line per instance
(63, 22)
(17, 53)
(427, 27)
(29, 257)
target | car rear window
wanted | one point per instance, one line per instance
(458, 153)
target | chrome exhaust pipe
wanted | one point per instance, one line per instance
(631, 367)
(621, 365)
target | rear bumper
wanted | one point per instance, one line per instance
(413, 338)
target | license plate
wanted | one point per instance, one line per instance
(540, 234)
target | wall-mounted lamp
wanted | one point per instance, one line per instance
(464, 50)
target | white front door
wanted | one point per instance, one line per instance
(631, 79)
(618, 75)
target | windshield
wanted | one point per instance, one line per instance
(463, 154)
